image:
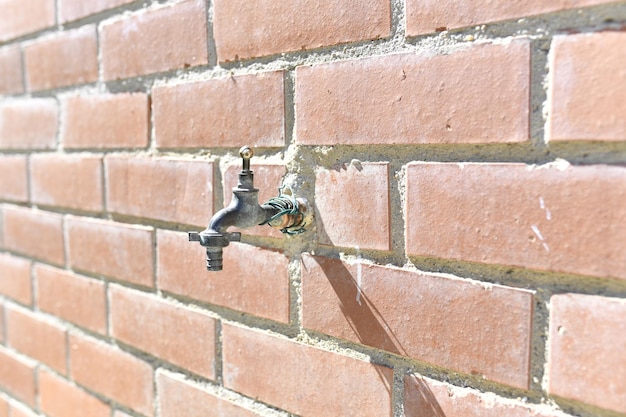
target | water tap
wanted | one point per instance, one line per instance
(244, 211)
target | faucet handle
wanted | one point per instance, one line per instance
(246, 153)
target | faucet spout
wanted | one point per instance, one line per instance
(243, 211)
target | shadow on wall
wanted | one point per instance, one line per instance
(419, 400)
(371, 328)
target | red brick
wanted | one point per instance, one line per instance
(13, 183)
(555, 217)
(243, 30)
(176, 334)
(4, 407)
(463, 325)
(221, 112)
(347, 198)
(71, 297)
(73, 182)
(105, 121)
(587, 339)
(60, 398)
(62, 59)
(277, 371)
(267, 178)
(17, 376)
(15, 278)
(116, 250)
(115, 374)
(424, 17)
(75, 9)
(34, 233)
(19, 17)
(36, 337)
(28, 124)
(262, 277)
(588, 87)
(181, 398)
(179, 191)
(160, 39)
(428, 398)
(11, 80)
(413, 99)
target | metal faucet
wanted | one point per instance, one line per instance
(244, 211)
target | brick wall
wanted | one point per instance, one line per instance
(466, 161)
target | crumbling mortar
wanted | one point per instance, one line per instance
(295, 291)
(226, 314)
(211, 46)
(538, 93)
(218, 390)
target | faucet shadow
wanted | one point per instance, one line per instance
(370, 327)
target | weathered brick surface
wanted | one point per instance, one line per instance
(75, 9)
(424, 397)
(73, 182)
(179, 335)
(587, 339)
(348, 197)
(181, 269)
(165, 189)
(62, 59)
(278, 371)
(77, 299)
(161, 39)
(35, 233)
(112, 373)
(20, 17)
(244, 30)
(410, 127)
(425, 17)
(485, 330)
(119, 251)
(17, 376)
(11, 80)
(60, 398)
(2, 227)
(105, 121)
(519, 215)
(40, 339)
(178, 397)
(413, 99)
(14, 180)
(581, 64)
(15, 278)
(220, 112)
(4, 407)
(28, 124)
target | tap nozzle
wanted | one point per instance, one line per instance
(214, 243)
